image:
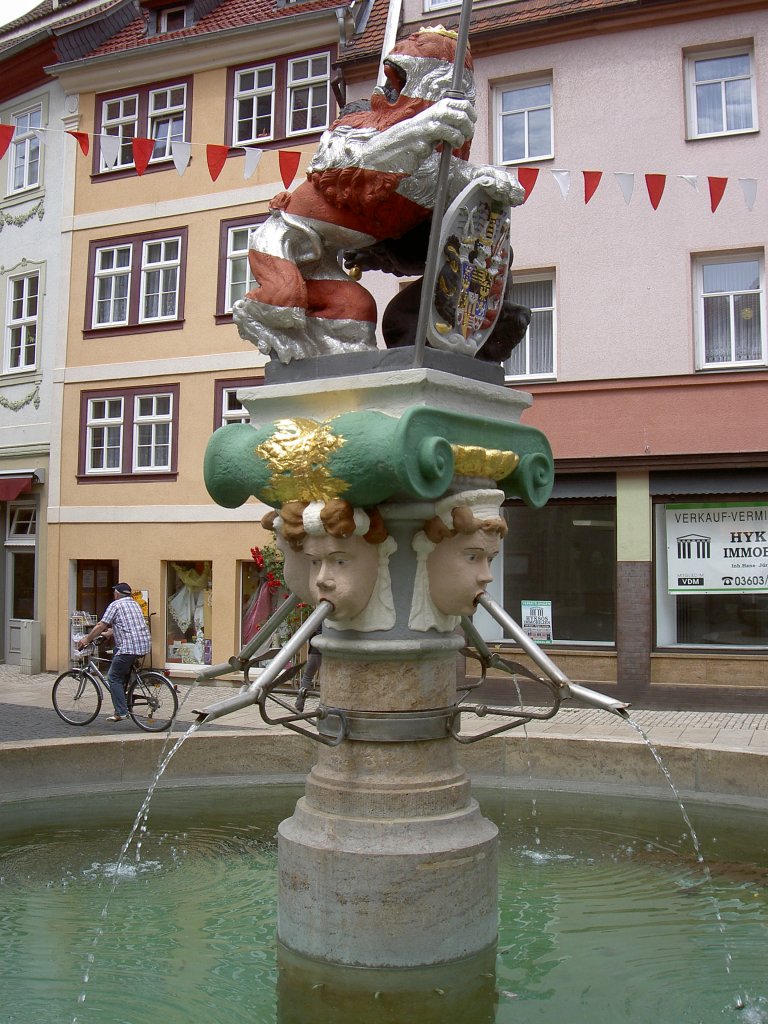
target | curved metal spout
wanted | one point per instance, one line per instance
(545, 663)
(249, 695)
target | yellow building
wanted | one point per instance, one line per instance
(153, 360)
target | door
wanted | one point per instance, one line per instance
(95, 579)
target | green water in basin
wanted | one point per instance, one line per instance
(605, 915)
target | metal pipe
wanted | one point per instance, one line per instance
(441, 194)
(535, 653)
(239, 661)
(250, 694)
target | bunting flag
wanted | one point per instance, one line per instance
(6, 134)
(626, 182)
(716, 191)
(527, 176)
(289, 164)
(142, 152)
(591, 181)
(563, 179)
(109, 147)
(216, 157)
(181, 153)
(655, 183)
(252, 158)
(83, 141)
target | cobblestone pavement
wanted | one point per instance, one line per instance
(26, 714)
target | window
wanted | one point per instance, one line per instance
(730, 310)
(721, 92)
(159, 113)
(171, 19)
(235, 277)
(189, 613)
(535, 355)
(129, 432)
(227, 406)
(281, 99)
(137, 281)
(25, 151)
(22, 524)
(21, 323)
(523, 121)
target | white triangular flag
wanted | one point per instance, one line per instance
(252, 157)
(109, 146)
(181, 151)
(40, 133)
(692, 179)
(749, 190)
(563, 179)
(626, 182)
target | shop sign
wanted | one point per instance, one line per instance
(713, 548)
(537, 620)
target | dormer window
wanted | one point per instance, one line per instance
(171, 19)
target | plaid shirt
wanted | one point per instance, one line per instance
(129, 626)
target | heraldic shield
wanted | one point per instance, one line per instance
(472, 270)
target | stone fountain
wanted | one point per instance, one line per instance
(386, 470)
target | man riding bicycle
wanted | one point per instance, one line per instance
(132, 640)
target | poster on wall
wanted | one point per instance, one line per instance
(537, 620)
(713, 548)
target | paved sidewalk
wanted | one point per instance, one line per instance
(26, 714)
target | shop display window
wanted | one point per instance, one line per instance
(564, 554)
(188, 613)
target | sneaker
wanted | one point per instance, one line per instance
(116, 718)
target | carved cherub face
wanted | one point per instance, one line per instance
(459, 570)
(343, 572)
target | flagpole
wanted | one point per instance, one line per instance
(441, 194)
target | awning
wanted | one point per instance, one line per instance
(12, 486)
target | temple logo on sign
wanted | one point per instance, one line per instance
(693, 545)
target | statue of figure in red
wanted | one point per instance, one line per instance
(371, 179)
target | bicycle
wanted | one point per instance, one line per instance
(78, 694)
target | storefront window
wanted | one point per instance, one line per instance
(712, 574)
(188, 619)
(564, 554)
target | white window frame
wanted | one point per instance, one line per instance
(164, 14)
(26, 151)
(168, 271)
(253, 95)
(110, 275)
(313, 82)
(691, 59)
(499, 91)
(233, 413)
(125, 126)
(109, 421)
(699, 319)
(236, 259)
(22, 324)
(22, 524)
(157, 423)
(173, 114)
(439, 5)
(524, 347)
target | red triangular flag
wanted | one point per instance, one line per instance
(289, 164)
(527, 177)
(82, 140)
(142, 151)
(655, 183)
(716, 190)
(216, 157)
(591, 181)
(6, 134)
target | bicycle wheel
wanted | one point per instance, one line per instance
(152, 701)
(76, 697)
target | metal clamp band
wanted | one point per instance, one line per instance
(388, 726)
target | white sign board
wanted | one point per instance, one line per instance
(714, 548)
(537, 620)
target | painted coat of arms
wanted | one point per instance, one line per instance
(472, 270)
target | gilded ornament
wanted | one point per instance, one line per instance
(298, 453)
(471, 460)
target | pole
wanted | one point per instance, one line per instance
(441, 194)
